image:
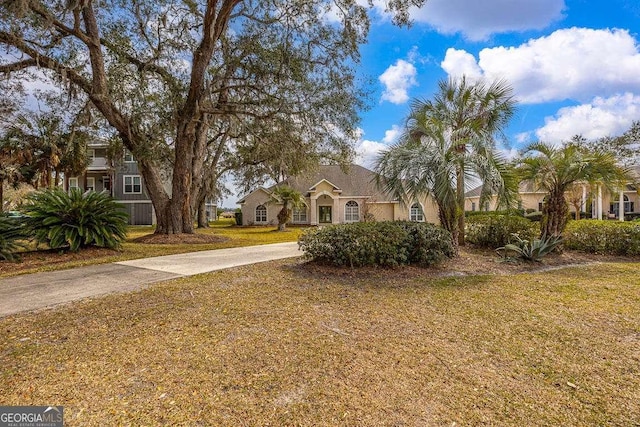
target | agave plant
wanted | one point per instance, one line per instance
(533, 250)
(75, 220)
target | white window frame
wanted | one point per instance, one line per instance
(351, 211)
(416, 214)
(91, 184)
(132, 184)
(91, 153)
(128, 154)
(299, 215)
(261, 217)
(74, 182)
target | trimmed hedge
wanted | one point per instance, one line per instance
(603, 237)
(385, 243)
(493, 231)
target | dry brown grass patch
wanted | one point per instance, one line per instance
(278, 344)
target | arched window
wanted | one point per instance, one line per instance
(415, 213)
(351, 211)
(261, 213)
(614, 207)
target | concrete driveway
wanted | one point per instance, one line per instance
(40, 290)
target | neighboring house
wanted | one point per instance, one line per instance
(599, 202)
(120, 178)
(333, 196)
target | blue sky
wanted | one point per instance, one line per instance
(574, 65)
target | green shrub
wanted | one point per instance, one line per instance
(385, 243)
(75, 220)
(493, 231)
(12, 232)
(603, 237)
(531, 250)
(632, 216)
(509, 212)
(534, 216)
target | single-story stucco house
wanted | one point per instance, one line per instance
(598, 201)
(335, 196)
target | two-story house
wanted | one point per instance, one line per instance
(121, 178)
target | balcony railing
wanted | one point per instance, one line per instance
(99, 163)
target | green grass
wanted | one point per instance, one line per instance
(287, 344)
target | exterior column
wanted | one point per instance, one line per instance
(313, 215)
(599, 202)
(583, 205)
(336, 211)
(621, 206)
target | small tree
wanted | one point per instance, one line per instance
(556, 169)
(290, 198)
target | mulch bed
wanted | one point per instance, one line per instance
(177, 239)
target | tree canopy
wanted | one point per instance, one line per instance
(180, 81)
(447, 140)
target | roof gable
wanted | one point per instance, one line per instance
(354, 181)
(261, 189)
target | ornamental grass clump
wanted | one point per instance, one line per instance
(75, 220)
(386, 244)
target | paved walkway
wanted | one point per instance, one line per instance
(40, 290)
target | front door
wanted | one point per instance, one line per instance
(325, 214)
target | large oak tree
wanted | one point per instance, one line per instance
(177, 78)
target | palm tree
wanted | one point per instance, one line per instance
(41, 135)
(290, 198)
(556, 169)
(447, 141)
(12, 160)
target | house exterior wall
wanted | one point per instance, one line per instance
(107, 176)
(319, 201)
(610, 202)
(252, 201)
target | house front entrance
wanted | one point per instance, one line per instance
(325, 214)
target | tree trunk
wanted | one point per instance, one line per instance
(203, 221)
(1, 195)
(283, 217)
(446, 214)
(460, 203)
(554, 214)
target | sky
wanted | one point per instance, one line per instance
(574, 65)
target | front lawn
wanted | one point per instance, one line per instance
(289, 344)
(231, 237)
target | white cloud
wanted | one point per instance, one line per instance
(397, 80)
(574, 63)
(460, 62)
(391, 135)
(367, 151)
(601, 117)
(477, 20)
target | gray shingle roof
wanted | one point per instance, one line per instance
(355, 181)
